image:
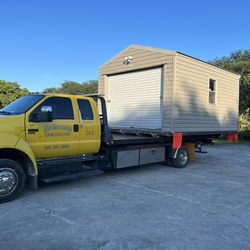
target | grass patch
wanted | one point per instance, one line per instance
(225, 141)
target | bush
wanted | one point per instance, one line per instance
(244, 121)
(9, 92)
(244, 135)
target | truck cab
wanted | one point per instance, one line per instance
(37, 127)
(61, 125)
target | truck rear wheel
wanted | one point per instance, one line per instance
(181, 160)
(12, 180)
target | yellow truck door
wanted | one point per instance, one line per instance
(60, 137)
(90, 128)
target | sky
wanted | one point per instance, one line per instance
(45, 42)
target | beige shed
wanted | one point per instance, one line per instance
(168, 91)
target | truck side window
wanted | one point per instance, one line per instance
(61, 107)
(85, 109)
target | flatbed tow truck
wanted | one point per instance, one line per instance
(56, 137)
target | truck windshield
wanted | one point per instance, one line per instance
(21, 105)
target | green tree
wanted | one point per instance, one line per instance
(9, 92)
(239, 62)
(75, 88)
(90, 87)
(71, 87)
(50, 90)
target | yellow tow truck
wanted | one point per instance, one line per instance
(57, 137)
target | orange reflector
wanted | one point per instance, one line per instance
(177, 140)
(232, 137)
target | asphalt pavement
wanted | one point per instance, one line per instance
(204, 206)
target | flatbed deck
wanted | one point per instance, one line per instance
(121, 138)
(130, 139)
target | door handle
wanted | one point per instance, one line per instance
(76, 127)
(33, 130)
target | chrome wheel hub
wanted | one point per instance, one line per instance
(8, 180)
(183, 157)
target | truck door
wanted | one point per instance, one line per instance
(90, 131)
(60, 137)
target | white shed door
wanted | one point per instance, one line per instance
(134, 99)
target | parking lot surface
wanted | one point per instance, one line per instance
(204, 206)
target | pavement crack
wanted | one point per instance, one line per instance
(234, 182)
(157, 191)
(241, 205)
(176, 196)
(53, 214)
(59, 217)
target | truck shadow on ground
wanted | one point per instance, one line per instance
(88, 181)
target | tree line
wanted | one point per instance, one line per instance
(237, 62)
(75, 88)
(10, 91)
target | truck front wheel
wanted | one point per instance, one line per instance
(181, 160)
(12, 180)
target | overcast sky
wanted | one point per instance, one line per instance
(44, 42)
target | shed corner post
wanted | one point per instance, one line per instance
(173, 94)
(164, 89)
(105, 87)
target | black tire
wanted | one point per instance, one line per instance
(181, 160)
(12, 180)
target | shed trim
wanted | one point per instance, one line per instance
(173, 95)
(195, 58)
(163, 51)
(146, 48)
(135, 70)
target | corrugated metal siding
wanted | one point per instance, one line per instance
(143, 58)
(134, 99)
(101, 85)
(192, 111)
(185, 89)
(168, 94)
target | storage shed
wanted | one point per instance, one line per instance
(168, 91)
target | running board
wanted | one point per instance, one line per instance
(71, 176)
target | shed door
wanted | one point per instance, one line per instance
(134, 99)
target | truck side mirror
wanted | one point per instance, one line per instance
(46, 109)
(45, 115)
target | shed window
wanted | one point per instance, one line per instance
(212, 91)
